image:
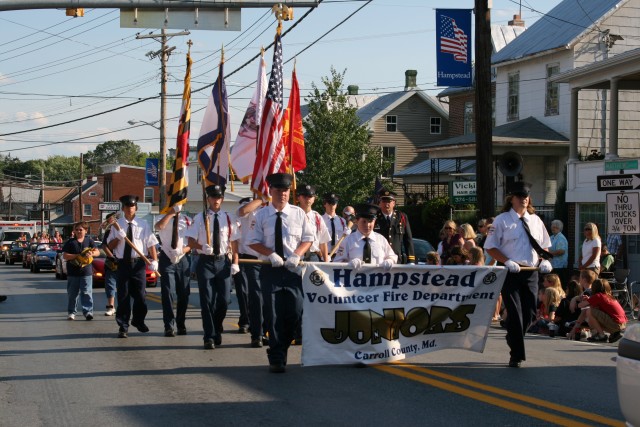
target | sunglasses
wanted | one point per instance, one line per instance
(448, 228)
(587, 229)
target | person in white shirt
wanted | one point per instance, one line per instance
(214, 267)
(365, 246)
(336, 225)
(131, 278)
(174, 269)
(510, 245)
(282, 234)
(319, 250)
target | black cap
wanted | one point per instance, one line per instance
(129, 200)
(280, 180)
(387, 194)
(520, 188)
(306, 190)
(215, 190)
(366, 210)
(244, 200)
(331, 198)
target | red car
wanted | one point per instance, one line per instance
(98, 272)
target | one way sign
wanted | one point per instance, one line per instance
(618, 182)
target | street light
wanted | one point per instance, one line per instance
(163, 156)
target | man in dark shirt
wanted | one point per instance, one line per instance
(79, 275)
(394, 225)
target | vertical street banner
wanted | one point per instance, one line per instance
(151, 172)
(375, 316)
(453, 51)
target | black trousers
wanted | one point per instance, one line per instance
(519, 294)
(131, 284)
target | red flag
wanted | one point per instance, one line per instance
(270, 152)
(293, 133)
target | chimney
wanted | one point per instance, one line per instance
(352, 89)
(516, 21)
(410, 79)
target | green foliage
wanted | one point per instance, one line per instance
(124, 152)
(339, 157)
(61, 168)
(434, 213)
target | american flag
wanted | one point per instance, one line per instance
(213, 142)
(452, 39)
(270, 151)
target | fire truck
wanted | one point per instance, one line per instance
(10, 231)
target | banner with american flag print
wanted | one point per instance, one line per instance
(215, 132)
(178, 182)
(453, 30)
(270, 151)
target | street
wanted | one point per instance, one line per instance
(55, 372)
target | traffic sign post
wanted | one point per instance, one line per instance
(110, 206)
(618, 182)
(622, 213)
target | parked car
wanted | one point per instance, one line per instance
(421, 248)
(14, 252)
(27, 253)
(98, 270)
(43, 258)
(628, 374)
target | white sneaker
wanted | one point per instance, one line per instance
(71, 317)
(110, 312)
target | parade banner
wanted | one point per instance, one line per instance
(453, 55)
(373, 316)
(151, 172)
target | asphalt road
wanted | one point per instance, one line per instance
(55, 372)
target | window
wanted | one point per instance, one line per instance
(93, 194)
(86, 209)
(107, 191)
(436, 125)
(551, 98)
(468, 118)
(148, 195)
(513, 108)
(392, 123)
(550, 181)
(389, 154)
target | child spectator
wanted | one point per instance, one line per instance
(605, 313)
(587, 277)
(433, 258)
(458, 256)
(553, 281)
(476, 256)
(565, 317)
(468, 235)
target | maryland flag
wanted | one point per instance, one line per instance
(177, 189)
(293, 133)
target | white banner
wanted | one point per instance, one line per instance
(373, 316)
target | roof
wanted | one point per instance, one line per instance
(63, 220)
(558, 29)
(426, 167)
(85, 186)
(529, 130)
(382, 105)
(56, 195)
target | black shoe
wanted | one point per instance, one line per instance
(514, 363)
(140, 327)
(277, 368)
(217, 340)
(243, 330)
(169, 333)
(208, 345)
(265, 340)
(257, 343)
(182, 331)
(614, 337)
(3, 298)
(122, 333)
(297, 341)
(89, 316)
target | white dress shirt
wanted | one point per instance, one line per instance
(340, 225)
(198, 231)
(143, 237)
(353, 246)
(244, 225)
(321, 234)
(166, 235)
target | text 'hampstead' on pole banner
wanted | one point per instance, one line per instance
(453, 51)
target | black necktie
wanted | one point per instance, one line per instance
(127, 247)
(534, 243)
(279, 247)
(333, 233)
(216, 235)
(366, 251)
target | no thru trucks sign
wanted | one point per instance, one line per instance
(622, 213)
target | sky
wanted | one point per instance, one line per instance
(55, 69)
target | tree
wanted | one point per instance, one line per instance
(339, 156)
(62, 170)
(123, 152)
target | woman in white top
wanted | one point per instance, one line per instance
(590, 259)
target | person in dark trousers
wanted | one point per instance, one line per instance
(131, 278)
(282, 235)
(518, 238)
(77, 252)
(394, 226)
(175, 274)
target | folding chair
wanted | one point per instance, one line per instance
(620, 289)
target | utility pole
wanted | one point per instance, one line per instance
(80, 188)
(42, 200)
(163, 53)
(484, 144)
